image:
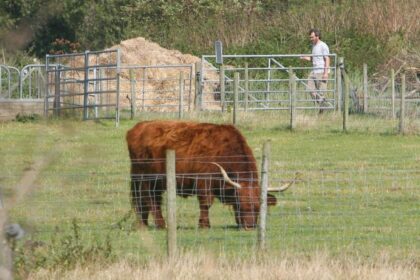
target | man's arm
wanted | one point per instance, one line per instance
(326, 67)
(308, 58)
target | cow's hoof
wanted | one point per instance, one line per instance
(162, 226)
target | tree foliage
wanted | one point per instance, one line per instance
(350, 28)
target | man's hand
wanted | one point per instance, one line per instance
(307, 58)
(325, 76)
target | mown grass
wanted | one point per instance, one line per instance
(358, 195)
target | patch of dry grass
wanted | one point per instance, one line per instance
(207, 266)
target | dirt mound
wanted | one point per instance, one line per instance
(139, 51)
(157, 88)
(148, 70)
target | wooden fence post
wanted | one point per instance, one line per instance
(393, 93)
(246, 86)
(339, 90)
(222, 87)
(181, 95)
(57, 93)
(346, 101)
(263, 196)
(402, 106)
(6, 259)
(235, 95)
(365, 89)
(133, 93)
(171, 209)
(292, 98)
(198, 90)
(86, 87)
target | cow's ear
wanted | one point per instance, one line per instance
(271, 200)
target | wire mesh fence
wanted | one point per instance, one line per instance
(362, 209)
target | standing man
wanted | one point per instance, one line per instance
(317, 82)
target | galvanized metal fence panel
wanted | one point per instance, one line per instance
(9, 81)
(32, 81)
(83, 85)
(264, 83)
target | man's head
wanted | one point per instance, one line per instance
(314, 35)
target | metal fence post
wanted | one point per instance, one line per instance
(263, 196)
(365, 89)
(402, 106)
(171, 214)
(133, 93)
(181, 95)
(235, 95)
(222, 87)
(292, 98)
(393, 93)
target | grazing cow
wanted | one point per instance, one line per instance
(212, 161)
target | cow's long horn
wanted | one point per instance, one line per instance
(226, 177)
(285, 186)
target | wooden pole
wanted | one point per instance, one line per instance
(6, 263)
(339, 84)
(133, 93)
(171, 210)
(402, 106)
(263, 196)
(292, 98)
(222, 87)
(57, 88)
(86, 87)
(346, 102)
(393, 93)
(198, 90)
(365, 88)
(181, 95)
(246, 86)
(235, 96)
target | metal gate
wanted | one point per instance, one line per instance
(83, 85)
(264, 82)
(9, 82)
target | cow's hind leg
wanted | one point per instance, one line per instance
(206, 199)
(140, 200)
(157, 210)
(156, 203)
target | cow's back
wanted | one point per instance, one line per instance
(194, 144)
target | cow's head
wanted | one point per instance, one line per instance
(247, 208)
(247, 201)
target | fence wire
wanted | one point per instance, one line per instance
(368, 208)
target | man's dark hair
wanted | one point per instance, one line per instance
(316, 32)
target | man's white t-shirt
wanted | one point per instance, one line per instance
(319, 50)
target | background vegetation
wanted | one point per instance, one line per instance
(369, 31)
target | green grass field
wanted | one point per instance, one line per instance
(359, 193)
